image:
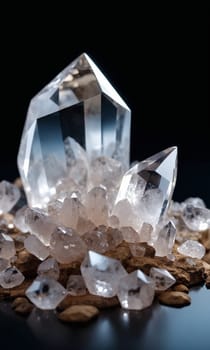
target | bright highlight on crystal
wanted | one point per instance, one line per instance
(78, 105)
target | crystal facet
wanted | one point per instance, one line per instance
(40, 225)
(49, 268)
(196, 218)
(165, 240)
(11, 277)
(9, 195)
(7, 246)
(136, 291)
(46, 293)
(79, 103)
(66, 246)
(102, 274)
(34, 246)
(76, 285)
(148, 188)
(162, 278)
(192, 249)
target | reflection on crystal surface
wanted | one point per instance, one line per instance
(102, 274)
(192, 248)
(81, 104)
(46, 293)
(148, 188)
(136, 291)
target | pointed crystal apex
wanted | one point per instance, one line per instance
(81, 104)
(148, 187)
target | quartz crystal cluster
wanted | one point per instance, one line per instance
(84, 201)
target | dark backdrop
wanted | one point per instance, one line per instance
(158, 63)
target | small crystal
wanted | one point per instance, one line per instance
(96, 204)
(66, 246)
(7, 246)
(19, 220)
(9, 195)
(102, 240)
(46, 293)
(196, 218)
(146, 232)
(130, 235)
(40, 225)
(34, 246)
(192, 249)
(84, 225)
(136, 291)
(71, 211)
(76, 285)
(195, 202)
(11, 277)
(3, 264)
(148, 187)
(165, 240)
(102, 274)
(49, 268)
(161, 278)
(96, 240)
(137, 249)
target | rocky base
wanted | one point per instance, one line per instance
(187, 272)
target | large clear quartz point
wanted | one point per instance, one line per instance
(148, 187)
(79, 104)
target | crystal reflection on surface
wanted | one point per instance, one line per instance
(158, 327)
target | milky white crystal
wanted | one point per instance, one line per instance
(192, 249)
(66, 245)
(196, 218)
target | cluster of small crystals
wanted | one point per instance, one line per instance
(71, 230)
(84, 200)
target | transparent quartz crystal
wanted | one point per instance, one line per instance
(46, 293)
(11, 277)
(78, 103)
(192, 249)
(146, 190)
(49, 268)
(7, 246)
(102, 274)
(66, 245)
(9, 195)
(162, 278)
(136, 291)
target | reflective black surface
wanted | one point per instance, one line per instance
(158, 327)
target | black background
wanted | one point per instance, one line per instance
(157, 58)
(158, 63)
